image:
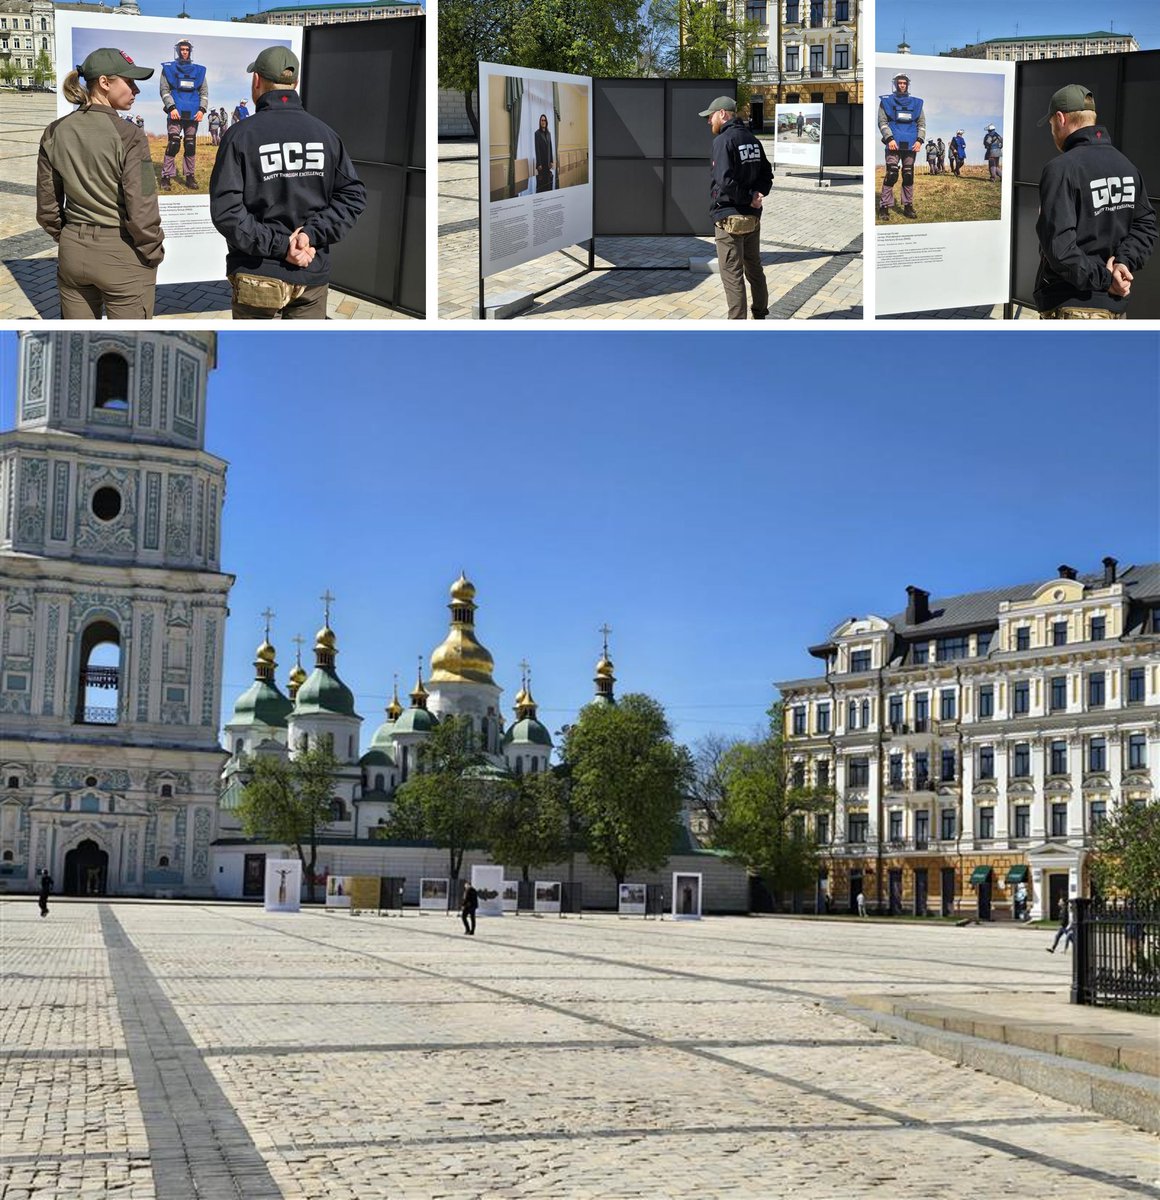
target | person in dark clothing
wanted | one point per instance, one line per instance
(545, 164)
(283, 191)
(1096, 226)
(740, 179)
(468, 908)
(45, 890)
(1065, 929)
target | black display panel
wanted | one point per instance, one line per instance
(629, 197)
(628, 119)
(366, 81)
(842, 135)
(1127, 93)
(688, 134)
(687, 198)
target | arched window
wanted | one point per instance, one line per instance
(13, 781)
(239, 745)
(535, 765)
(519, 766)
(112, 382)
(7, 855)
(337, 810)
(406, 763)
(99, 678)
(350, 746)
(304, 743)
(167, 790)
(67, 805)
(163, 861)
(112, 804)
(379, 783)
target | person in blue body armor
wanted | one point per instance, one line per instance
(902, 125)
(958, 152)
(185, 98)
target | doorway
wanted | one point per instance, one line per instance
(254, 876)
(920, 886)
(855, 890)
(757, 115)
(1056, 894)
(895, 882)
(985, 898)
(948, 891)
(86, 870)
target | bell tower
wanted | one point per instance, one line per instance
(113, 605)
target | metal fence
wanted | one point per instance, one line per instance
(1117, 954)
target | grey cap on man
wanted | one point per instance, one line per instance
(278, 64)
(1073, 97)
(722, 102)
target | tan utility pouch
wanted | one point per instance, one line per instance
(257, 291)
(738, 224)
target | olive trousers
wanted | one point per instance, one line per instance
(98, 273)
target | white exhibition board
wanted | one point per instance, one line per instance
(194, 250)
(337, 891)
(797, 134)
(511, 895)
(433, 894)
(283, 885)
(957, 251)
(686, 896)
(547, 897)
(488, 883)
(535, 164)
(631, 899)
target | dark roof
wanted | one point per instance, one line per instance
(1052, 37)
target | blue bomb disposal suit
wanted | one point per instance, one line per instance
(185, 98)
(902, 125)
(958, 152)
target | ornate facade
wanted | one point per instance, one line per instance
(114, 607)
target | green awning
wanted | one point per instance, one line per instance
(980, 875)
(1017, 874)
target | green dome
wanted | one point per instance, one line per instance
(376, 758)
(528, 730)
(382, 739)
(324, 692)
(262, 704)
(415, 720)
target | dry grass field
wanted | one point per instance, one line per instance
(206, 156)
(970, 197)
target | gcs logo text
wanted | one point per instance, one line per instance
(291, 156)
(1113, 190)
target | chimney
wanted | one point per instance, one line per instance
(1109, 571)
(1066, 572)
(917, 606)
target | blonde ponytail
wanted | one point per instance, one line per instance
(74, 91)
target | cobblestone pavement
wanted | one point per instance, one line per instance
(811, 247)
(28, 254)
(171, 1051)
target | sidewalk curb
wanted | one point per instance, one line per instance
(1124, 1095)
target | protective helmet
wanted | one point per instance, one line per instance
(990, 128)
(901, 75)
(177, 48)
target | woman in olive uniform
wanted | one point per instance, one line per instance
(96, 195)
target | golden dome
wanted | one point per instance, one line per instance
(604, 668)
(265, 654)
(462, 590)
(522, 697)
(298, 674)
(461, 657)
(394, 709)
(324, 639)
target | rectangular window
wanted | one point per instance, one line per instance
(817, 12)
(841, 58)
(1021, 761)
(983, 647)
(865, 718)
(1099, 625)
(1021, 697)
(896, 825)
(1023, 638)
(1099, 814)
(986, 762)
(757, 61)
(857, 825)
(1136, 685)
(841, 10)
(822, 771)
(987, 701)
(175, 695)
(1156, 619)
(1022, 820)
(1097, 754)
(798, 774)
(1059, 633)
(755, 11)
(948, 648)
(1059, 820)
(921, 712)
(920, 653)
(859, 660)
(823, 718)
(791, 61)
(799, 827)
(947, 765)
(852, 715)
(894, 710)
(1058, 693)
(791, 12)
(799, 720)
(987, 822)
(817, 60)
(947, 704)
(921, 830)
(822, 828)
(1058, 752)
(1096, 689)
(896, 770)
(921, 770)
(859, 772)
(947, 824)
(1137, 752)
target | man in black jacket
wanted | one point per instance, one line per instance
(1096, 226)
(741, 178)
(283, 191)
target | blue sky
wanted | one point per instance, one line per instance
(933, 26)
(721, 501)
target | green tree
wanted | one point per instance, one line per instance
(9, 71)
(764, 818)
(715, 44)
(599, 37)
(707, 786)
(1126, 853)
(449, 798)
(660, 39)
(288, 800)
(43, 72)
(628, 781)
(528, 824)
(471, 32)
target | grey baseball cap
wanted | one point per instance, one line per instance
(278, 64)
(725, 102)
(1073, 97)
(108, 61)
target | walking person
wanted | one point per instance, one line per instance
(958, 152)
(932, 158)
(96, 195)
(740, 179)
(45, 891)
(1066, 928)
(860, 900)
(468, 908)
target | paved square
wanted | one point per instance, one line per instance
(184, 1050)
(811, 248)
(28, 254)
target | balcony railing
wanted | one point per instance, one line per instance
(99, 716)
(100, 677)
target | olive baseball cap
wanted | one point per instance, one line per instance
(108, 61)
(278, 64)
(1074, 97)
(725, 102)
